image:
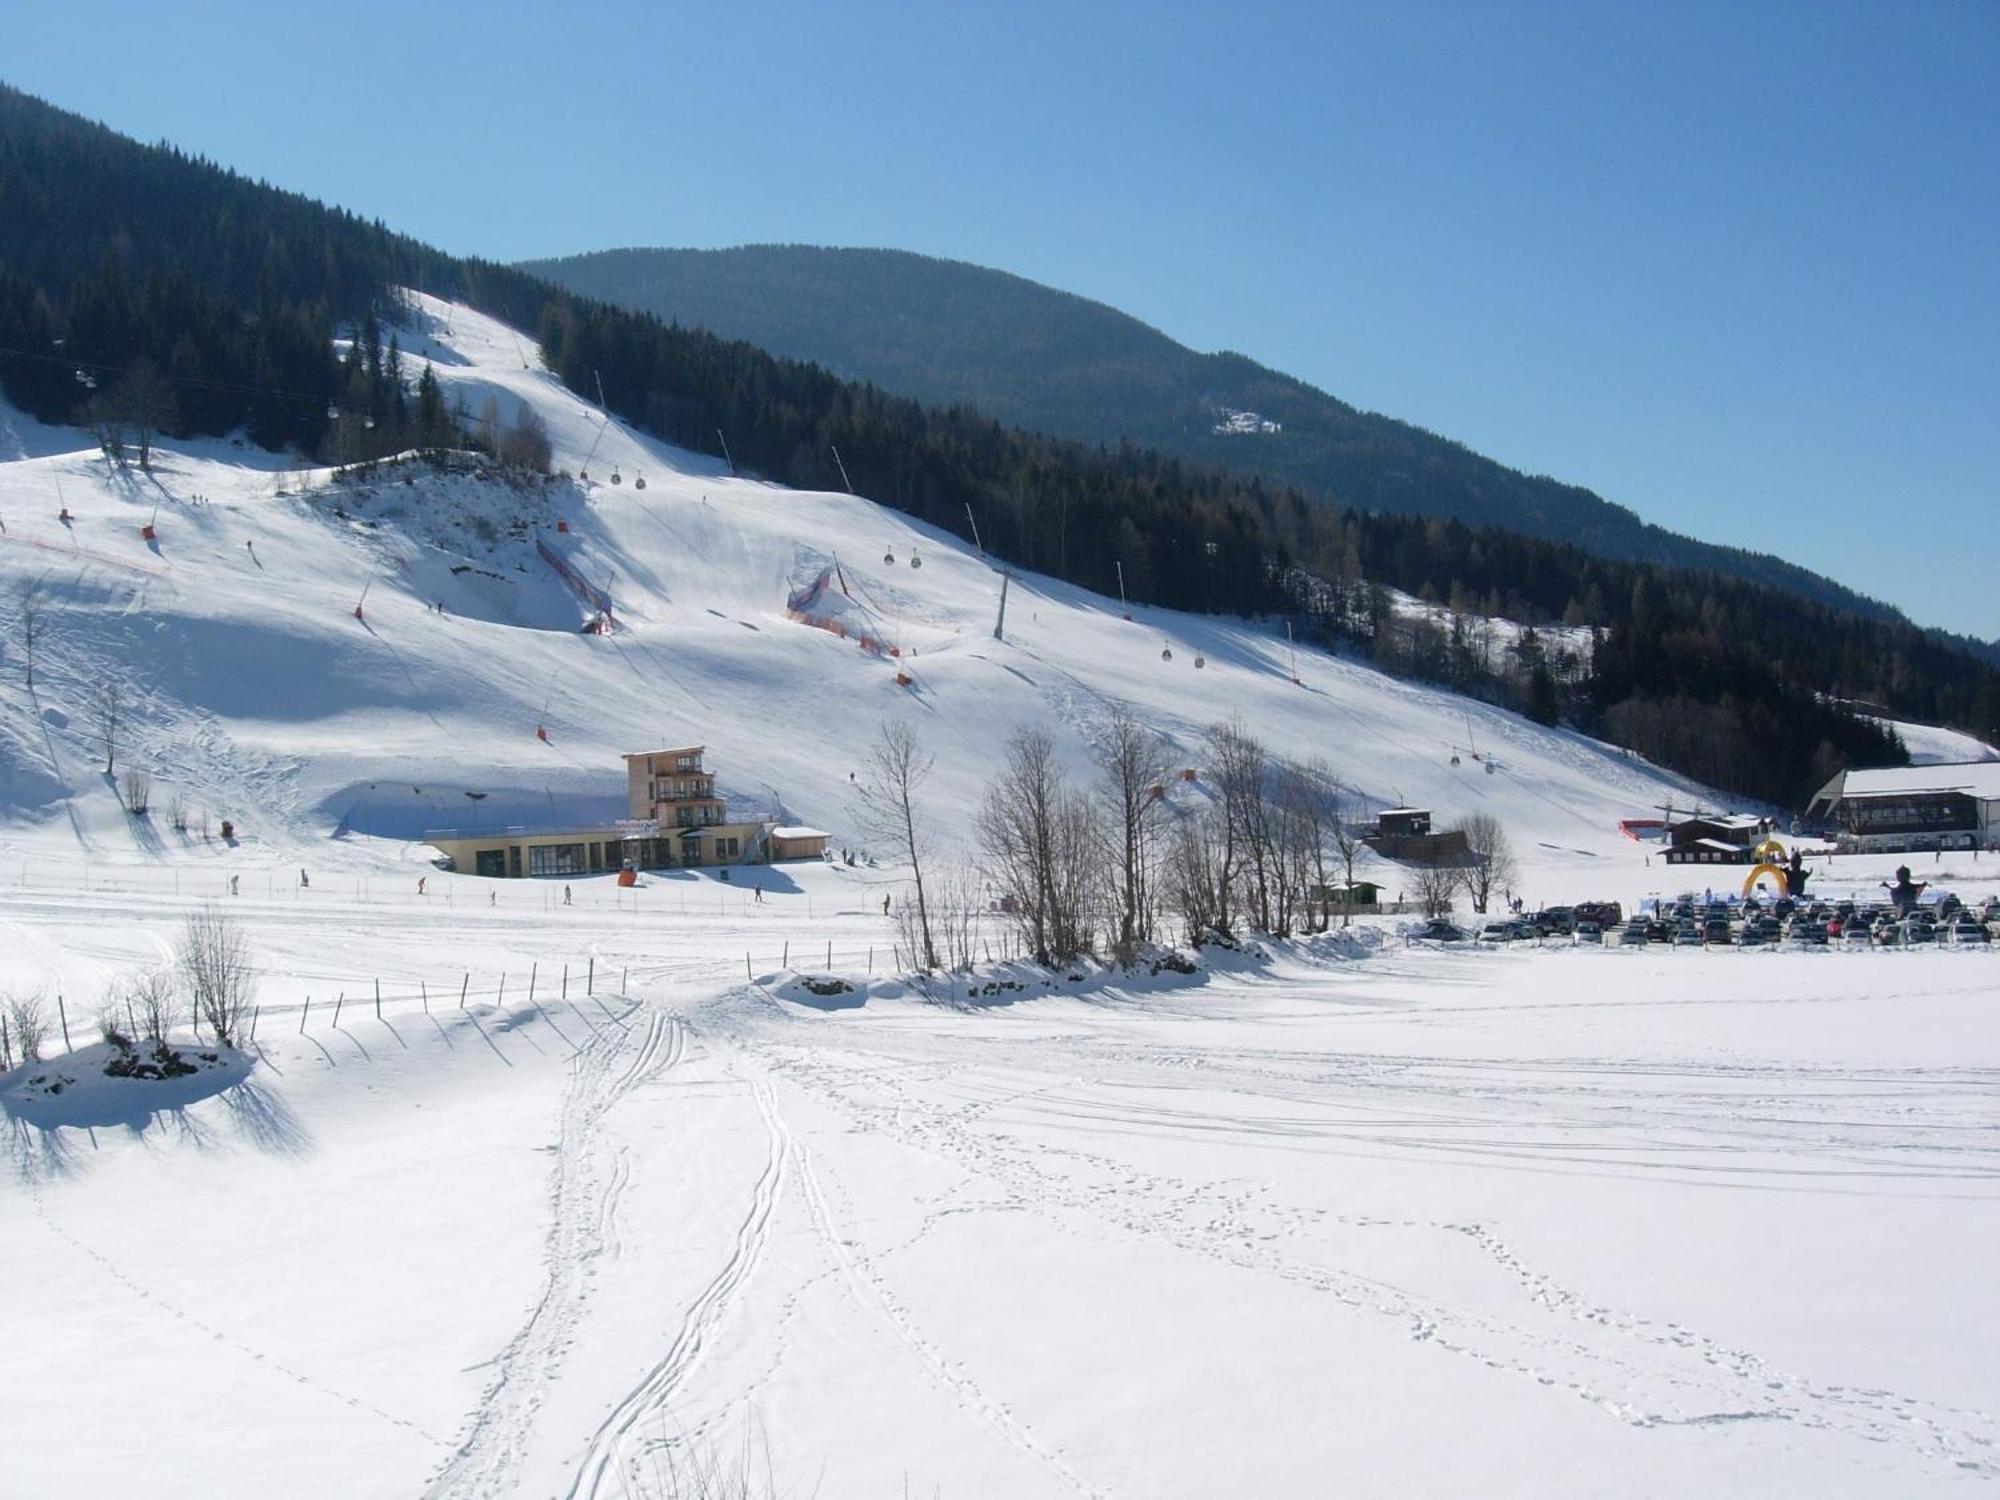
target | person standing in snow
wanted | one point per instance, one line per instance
(421, 881)
(565, 895)
(885, 905)
(232, 883)
(303, 882)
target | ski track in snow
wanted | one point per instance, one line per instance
(587, 1180)
(611, 1461)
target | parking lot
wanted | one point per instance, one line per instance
(1692, 922)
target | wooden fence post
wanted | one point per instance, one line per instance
(533, 970)
(427, 995)
(786, 961)
(378, 999)
(304, 1013)
(590, 978)
(63, 1012)
(565, 987)
(463, 985)
(337, 1002)
(746, 965)
(255, 1016)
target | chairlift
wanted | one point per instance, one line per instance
(916, 561)
(1454, 760)
(1200, 661)
(1489, 768)
(616, 477)
(1166, 653)
(889, 559)
(639, 481)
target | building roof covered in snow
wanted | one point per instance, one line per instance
(1975, 778)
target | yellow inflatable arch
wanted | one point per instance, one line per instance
(1776, 872)
(1768, 854)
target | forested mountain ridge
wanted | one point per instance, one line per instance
(947, 333)
(212, 302)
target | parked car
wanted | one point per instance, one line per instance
(1855, 934)
(1715, 932)
(1753, 936)
(1633, 934)
(1589, 932)
(1968, 929)
(1604, 914)
(1440, 930)
(1687, 935)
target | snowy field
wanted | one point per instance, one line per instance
(604, 1191)
(1349, 1218)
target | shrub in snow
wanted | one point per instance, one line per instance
(214, 965)
(27, 1026)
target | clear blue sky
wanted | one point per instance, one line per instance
(1732, 265)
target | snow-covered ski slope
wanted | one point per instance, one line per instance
(256, 692)
(599, 1194)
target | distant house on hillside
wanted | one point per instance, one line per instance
(1404, 833)
(1716, 839)
(676, 822)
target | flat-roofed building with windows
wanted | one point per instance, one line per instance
(676, 822)
(1950, 806)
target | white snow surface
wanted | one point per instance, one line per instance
(1342, 1216)
(1934, 745)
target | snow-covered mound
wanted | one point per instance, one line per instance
(253, 691)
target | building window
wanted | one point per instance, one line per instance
(555, 859)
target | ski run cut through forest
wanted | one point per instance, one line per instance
(569, 1187)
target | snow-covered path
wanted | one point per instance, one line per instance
(1351, 1218)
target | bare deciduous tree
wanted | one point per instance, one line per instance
(27, 1025)
(214, 964)
(136, 787)
(1434, 883)
(1134, 807)
(1311, 798)
(1491, 864)
(154, 1003)
(1348, 845)
(1036, 835)
(895, 773)
(31, 615)
(110, 715)
(144, 398)
(1198, 871)
(177, 812)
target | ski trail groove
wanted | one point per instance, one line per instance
(587, 1182)
(601, 1471)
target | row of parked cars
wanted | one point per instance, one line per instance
(1688, 923)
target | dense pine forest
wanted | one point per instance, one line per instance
(947, 333)
(141, 289)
